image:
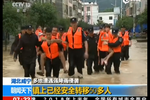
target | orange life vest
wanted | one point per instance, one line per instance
(37, 32)
(40, 38)
(125, 38)
(63, 38)
(99, 40)
(104, 36)
(55, 36)
(19, 35)
(116, 49)
(51, 51)
(77, 37)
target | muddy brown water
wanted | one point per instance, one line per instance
(133, 71)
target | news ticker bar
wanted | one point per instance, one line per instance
(72, 90)
(75, 98)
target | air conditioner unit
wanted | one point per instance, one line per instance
(130, 4)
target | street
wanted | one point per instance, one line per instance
(133, 71)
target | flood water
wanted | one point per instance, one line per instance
(133, 71)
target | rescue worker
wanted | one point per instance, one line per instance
(62, 36)
(38, 30)
(86, 34)
(75, 39)
(115, 44)
(99, 35)
(16, 42)
(102, 28)
(92, 52)
(126, 42)
(104, 49)
(55, 35)
(28, 41)
(52, 51)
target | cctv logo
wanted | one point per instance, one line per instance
(127, 1)
(21, 4)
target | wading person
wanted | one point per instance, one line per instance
(92, 52)
(16, 42)
(28, 41)
(62, 36)
(42, 59)
(115, 44)
(75, 39)
(52, 50)
(104, 49)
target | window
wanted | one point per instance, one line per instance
(66, 9)
(110, 18)
(82, 9)
(82, 17)
(70, 11)
(74, 7)
(88, 8)
(100, 18)
(131, 10)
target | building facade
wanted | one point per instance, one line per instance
(65, 8)
(90, 12)
(135, 8)
(77, 9)
(107, 17)
(70, 8)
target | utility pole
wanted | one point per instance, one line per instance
(121, 8)
(115, 3)
(134, 15)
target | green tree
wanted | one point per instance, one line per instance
(125, 21)
(142, 18)
(100, 22)
(42, 14)
(64, 22)
(11, 21)
(109, 10)
(83, 24)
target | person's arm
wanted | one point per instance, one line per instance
(40, 50)
(17, 50)
(117, 43)
(38, 43)
(14, 44)
(130, 38)
(84, 40)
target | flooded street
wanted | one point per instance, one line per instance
(133, 71)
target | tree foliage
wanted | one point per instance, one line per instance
(125, 21)
(43, 14)
(142, 18)
(64, 22)
(109, 10)
(100, 22)
(83, 24)
(11, 19)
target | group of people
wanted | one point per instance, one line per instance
(53, 47)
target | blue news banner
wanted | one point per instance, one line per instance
(68, 90)
(22, 89)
